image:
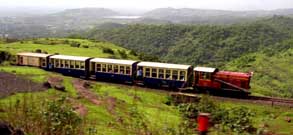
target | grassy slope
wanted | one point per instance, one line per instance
(273, 117)
(158, 115)
(95, 48)
(273, 75)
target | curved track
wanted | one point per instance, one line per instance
(191, 97)
(250, 99)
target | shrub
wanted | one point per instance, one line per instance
(237, 119)
(54, 117)
(5, 56)
(60, 117)
(108, 50)
(133, 53)
(85, 46)
(123, 54)
(75, 44)
(38, 51)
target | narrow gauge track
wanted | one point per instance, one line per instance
(186, 97)
(191, 97)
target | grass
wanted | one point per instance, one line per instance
(135, 105)
(274, 117)
(273, 75)
(150, 105)
(62, 46)
(160, 118)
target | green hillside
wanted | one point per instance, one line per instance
(123, 109)
(264, 45)
(66, 46)
(273, 75)
(116, 109)
(199, 44)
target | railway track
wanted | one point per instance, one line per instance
(187, 97)
(191, 97)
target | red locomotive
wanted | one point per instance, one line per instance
(212, 78)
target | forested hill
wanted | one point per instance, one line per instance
(201, 44)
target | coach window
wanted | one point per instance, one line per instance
(116, 69)
(168, 74)
(110, 68)
(62, 63)
(66, 63)
(127, 70)
(104, 68)
(81, 65)
(122, 70)
(182, 75)
(57, 64)
(174, 74)
(161, 73)
(71, 64)
(43, 62)
(77, 64)
(205, 76)
(154, 72)
(21, 59)
(147, 72)
(98, 67)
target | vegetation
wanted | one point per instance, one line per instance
(261, 46)
(199, 45)
(66, 47)
(236, 119)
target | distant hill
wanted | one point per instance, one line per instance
(204, 45)
(90, 13)
(204, 16)
(54, 25)
(71, 21)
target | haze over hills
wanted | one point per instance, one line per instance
(66, 22)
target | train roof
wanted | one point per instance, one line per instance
(67, 57)
(236, 74)
(205, 69)
(163, 65)
(113, 61)
(42, 55)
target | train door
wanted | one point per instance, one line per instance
(93, 68)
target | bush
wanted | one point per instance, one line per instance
(108, 50)
(146, 57)
(133, 53)
(123, 54)
(5, 56)
(75, 44)
(60, 117)
(38, 51)
(85, 46)
(50, 117)
(237, 119)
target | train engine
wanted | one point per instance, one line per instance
(213, 80)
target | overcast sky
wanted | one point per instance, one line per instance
(151, 4)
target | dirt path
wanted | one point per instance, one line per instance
(11, 84)
(82, 87)
(79, 85)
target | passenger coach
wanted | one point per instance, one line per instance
(164, 75)
(33, 59)
(113, 69)
(70, 65)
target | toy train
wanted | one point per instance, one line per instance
(150, 74)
